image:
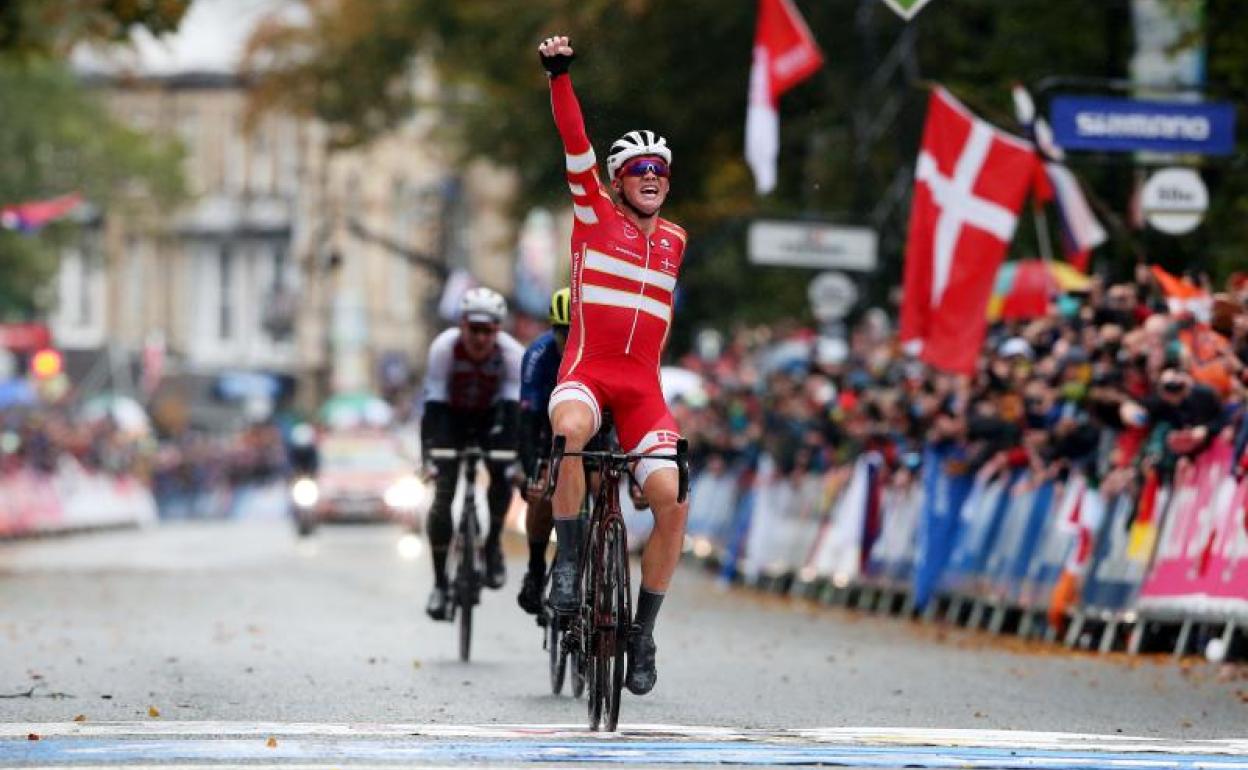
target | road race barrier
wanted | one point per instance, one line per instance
(1164, 567)
(70, 498)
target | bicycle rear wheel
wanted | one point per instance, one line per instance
(615, 551)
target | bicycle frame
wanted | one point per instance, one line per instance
(466, 584)
(597, 628)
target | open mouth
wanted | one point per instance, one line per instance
(649, 192)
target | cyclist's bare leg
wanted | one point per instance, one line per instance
(662, 553)
(537, 520)
(575, 421)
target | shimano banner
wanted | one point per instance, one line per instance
(1129, 125)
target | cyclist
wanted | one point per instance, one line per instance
(625, 259)
(538, 373)
(471, 393)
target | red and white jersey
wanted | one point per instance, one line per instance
(454, 378)
(622, 281)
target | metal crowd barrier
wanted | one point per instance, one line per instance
(1162, 569)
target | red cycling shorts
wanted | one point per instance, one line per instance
(631, 391)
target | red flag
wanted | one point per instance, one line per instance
(970, 183)
(35, 214)
(785, 54)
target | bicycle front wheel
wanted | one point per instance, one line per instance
(465, 595)
(558, 655)
(619, 617)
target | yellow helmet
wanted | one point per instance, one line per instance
(561, 307)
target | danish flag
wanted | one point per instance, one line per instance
(970, 183)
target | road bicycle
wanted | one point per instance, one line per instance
(464, 561)
(598, 630)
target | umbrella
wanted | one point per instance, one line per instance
(129, 415)
(1025, 288)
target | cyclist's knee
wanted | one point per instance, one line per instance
(575, 421)
(662, 491)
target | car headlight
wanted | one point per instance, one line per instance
(408, 493)
(305, 493)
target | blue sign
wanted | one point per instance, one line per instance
(1127, 125)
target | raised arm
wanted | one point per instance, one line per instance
(582, 166)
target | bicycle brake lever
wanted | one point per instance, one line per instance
(559, 446)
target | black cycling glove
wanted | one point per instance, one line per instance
(556, 65)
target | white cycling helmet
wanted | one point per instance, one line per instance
(482, 305)
(634, 144)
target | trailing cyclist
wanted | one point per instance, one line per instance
(471, 394)
(625, 260)
(539, 372)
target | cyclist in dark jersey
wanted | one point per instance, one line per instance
(471, 390)
(539, 372)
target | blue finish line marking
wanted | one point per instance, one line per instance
(87, 751)
(170, 744)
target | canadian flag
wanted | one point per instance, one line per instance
(970, 183)
(785, 54)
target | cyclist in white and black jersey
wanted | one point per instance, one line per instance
(471, 394)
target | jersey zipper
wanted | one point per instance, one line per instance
(641, 293)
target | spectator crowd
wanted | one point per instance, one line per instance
(1122, 382)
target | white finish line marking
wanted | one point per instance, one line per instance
(217, 744)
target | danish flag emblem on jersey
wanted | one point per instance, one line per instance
(970, 183)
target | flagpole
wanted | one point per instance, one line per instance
(1042, 231)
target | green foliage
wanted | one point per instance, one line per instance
(57, 138)
(53, 27)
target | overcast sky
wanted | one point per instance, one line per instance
(211, 39)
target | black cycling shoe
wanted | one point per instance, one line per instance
(563, 588)
(495, 569)
(641, 674)
(439, 604)
(530, 597)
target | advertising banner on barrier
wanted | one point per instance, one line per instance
(1201, 563)
(946, 486)
(981, 520)
(1115, 573)
(892, 555)
(1107, 124)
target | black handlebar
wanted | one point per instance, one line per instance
(559, 451)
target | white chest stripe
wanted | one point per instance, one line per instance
(584, 214)
(604, 263)
(600, 295)
(578, 164)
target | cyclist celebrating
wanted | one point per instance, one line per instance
(539, 372)
(471, 391)
(625, 260)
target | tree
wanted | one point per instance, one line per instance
(56, 138)
(45, 28)
(683, 68)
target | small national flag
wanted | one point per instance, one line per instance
(785, 54)
(1081, 232)
(33, 215)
